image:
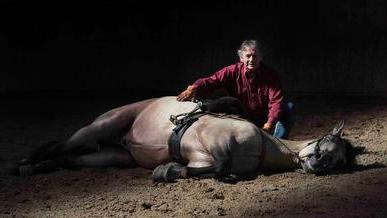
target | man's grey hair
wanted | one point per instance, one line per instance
(253, 44)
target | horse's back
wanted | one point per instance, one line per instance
(155, 117)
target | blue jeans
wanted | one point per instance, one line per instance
(286, 121)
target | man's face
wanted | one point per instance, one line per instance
(251, 58)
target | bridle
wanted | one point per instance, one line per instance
(316, 148)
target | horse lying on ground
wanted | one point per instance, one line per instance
(139, 134)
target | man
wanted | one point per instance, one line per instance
(253, 83)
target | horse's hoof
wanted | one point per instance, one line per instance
(175, 171)
(168, 173)
(158, 174)
(26, 170)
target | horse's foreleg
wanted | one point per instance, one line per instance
(172, 171)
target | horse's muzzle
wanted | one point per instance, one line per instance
(318, 163)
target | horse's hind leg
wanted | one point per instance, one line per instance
(86, 139)
(51, 150)
(110, 126)
(107, 157)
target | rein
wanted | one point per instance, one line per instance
(295, 154)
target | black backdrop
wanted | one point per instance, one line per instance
(152, 49)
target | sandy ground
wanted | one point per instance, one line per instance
(362, 192)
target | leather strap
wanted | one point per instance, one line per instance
(177, 133)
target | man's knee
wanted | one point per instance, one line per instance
(286, 122)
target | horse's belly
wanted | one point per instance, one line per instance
(149, 156)
(148, 145)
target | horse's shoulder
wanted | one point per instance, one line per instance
(247, 130)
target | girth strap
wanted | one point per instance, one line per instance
(225, 105)
(178, 132)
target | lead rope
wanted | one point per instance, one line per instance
(295, 154)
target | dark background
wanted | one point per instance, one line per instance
(148, 49)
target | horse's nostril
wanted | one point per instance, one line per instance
(318, 156)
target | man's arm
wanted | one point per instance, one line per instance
(187, 94)
(206, 85)
(275, 101)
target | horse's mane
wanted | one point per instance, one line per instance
(225, 115)
(228, 105)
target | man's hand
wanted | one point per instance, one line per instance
(268, 127)
(187, 94)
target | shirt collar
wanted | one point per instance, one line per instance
(253, 74)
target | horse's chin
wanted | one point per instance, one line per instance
(310, 165)
(307, 167)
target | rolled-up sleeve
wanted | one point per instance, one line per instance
(220, 79)
(275, 100)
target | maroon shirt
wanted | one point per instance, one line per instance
(260, 91)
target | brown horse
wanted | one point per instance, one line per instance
(138, 134)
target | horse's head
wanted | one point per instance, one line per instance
(327, 153)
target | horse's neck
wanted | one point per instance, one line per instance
(281, 153)
(295, 146)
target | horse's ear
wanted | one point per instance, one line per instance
(338, 130)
